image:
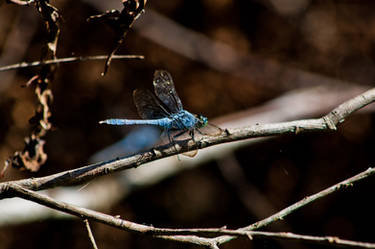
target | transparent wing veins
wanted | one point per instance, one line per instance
(148, 106)
(166, 92)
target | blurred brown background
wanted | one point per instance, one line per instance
(257, 51)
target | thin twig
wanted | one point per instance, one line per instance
(68, 60)
(89, 233)
(196, 236)
(86, 173)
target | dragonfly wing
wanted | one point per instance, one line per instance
(210, 130)
(166, 92)
(191, 153)
(148, 106)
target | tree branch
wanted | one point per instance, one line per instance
(68, 60)
(196, 236)
(86, 173)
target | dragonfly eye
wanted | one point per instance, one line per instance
(202, 120)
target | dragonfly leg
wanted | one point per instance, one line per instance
(191, 133)
(171, 140)
(200, 132)
(179, 134)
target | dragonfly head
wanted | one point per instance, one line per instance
(202, 121)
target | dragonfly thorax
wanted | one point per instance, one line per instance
(183, 120)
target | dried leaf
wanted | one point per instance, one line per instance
(33, 155)
(121, 22)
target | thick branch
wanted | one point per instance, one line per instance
(86, 173)
(196, 236)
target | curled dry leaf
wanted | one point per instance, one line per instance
(32, 156)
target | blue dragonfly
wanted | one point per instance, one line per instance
(164, 109)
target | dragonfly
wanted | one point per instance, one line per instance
(163, 109)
